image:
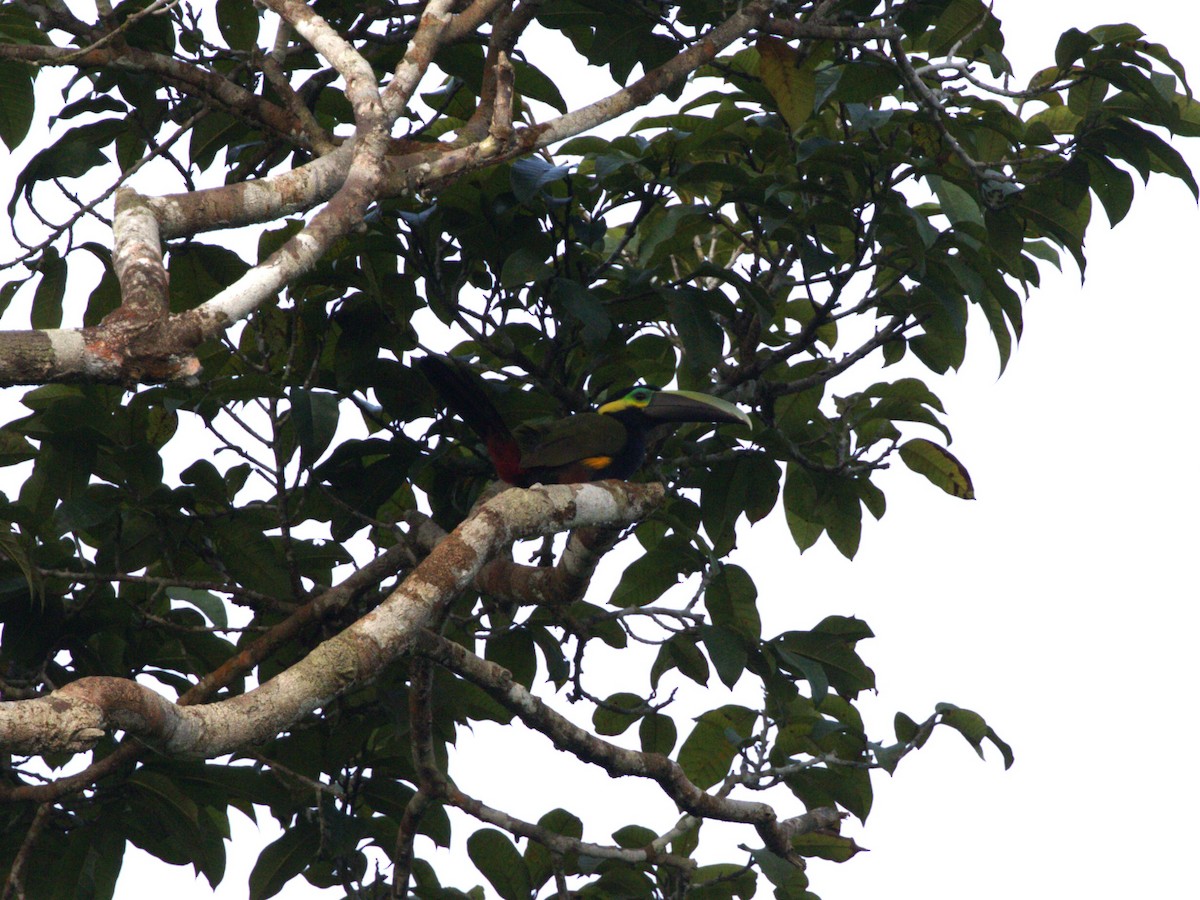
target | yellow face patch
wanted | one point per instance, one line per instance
(597, 462)
(638, 398)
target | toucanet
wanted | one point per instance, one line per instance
(607, 443)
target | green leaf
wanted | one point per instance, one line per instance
(646, 579)
(960, 22)
(728, 652)
(283, 859)
(73, 155)
(560, 821)
(16, 102)
(748, 484)
(1113, 186)
(687, 657)
(938, 465)
(164, 821)
(1057, 120)
(799, 500)
(315, 417)
(212, 606)
(888, 758)
(538, 859)
(48, 296)
(514, 650)
(198, 271)
(498, 860)
(628, 709)
(657, 733)
(533, 83)
(633, 836)
(708, 751)
(836, 656)
(582, 305)
(722, 881)
(1071, 46)
(785, 875)
(238, 23)
(530, 175)
(730, 599)
(699, 334)
(972, 727)
(526, 265)
(825, 846)
(906, 728)
(958, 205)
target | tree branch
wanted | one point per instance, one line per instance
(549, 585)
(77, 715)
(246, 659)
(617, 761)
(222, 92)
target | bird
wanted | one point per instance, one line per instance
(607, 443)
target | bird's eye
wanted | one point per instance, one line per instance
(641, 395)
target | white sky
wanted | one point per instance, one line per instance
(1062, 604)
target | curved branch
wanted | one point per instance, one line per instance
(504, 579)
(349, 178)
(224, 93)
(302, 188)
(365, 162)
(249, 656)
(560, 843)
(566, 735)
(656, 81)
(77, 715)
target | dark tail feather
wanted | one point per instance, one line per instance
(464, 394)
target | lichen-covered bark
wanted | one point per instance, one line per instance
(77, 715)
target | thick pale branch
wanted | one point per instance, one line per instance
(348, 179)
(252, 654)
(138, 262)
(365, 159)
(77, 715)
(420, 52)
(252, 202)
(302, 188)
(361, 89)
(479, 11)
(506, 30)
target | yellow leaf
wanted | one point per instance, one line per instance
(789, 77)
(939, 466)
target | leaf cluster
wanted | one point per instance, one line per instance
(814, 206)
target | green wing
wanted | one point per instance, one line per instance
(569, 440)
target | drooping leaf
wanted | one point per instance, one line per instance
(938, 465)
(495, 856)
(282, 860)
(974, 729)
(657, 733)
(48, 297)
(648, 578)
(238, 23)
(16, 102)
(789, 76)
